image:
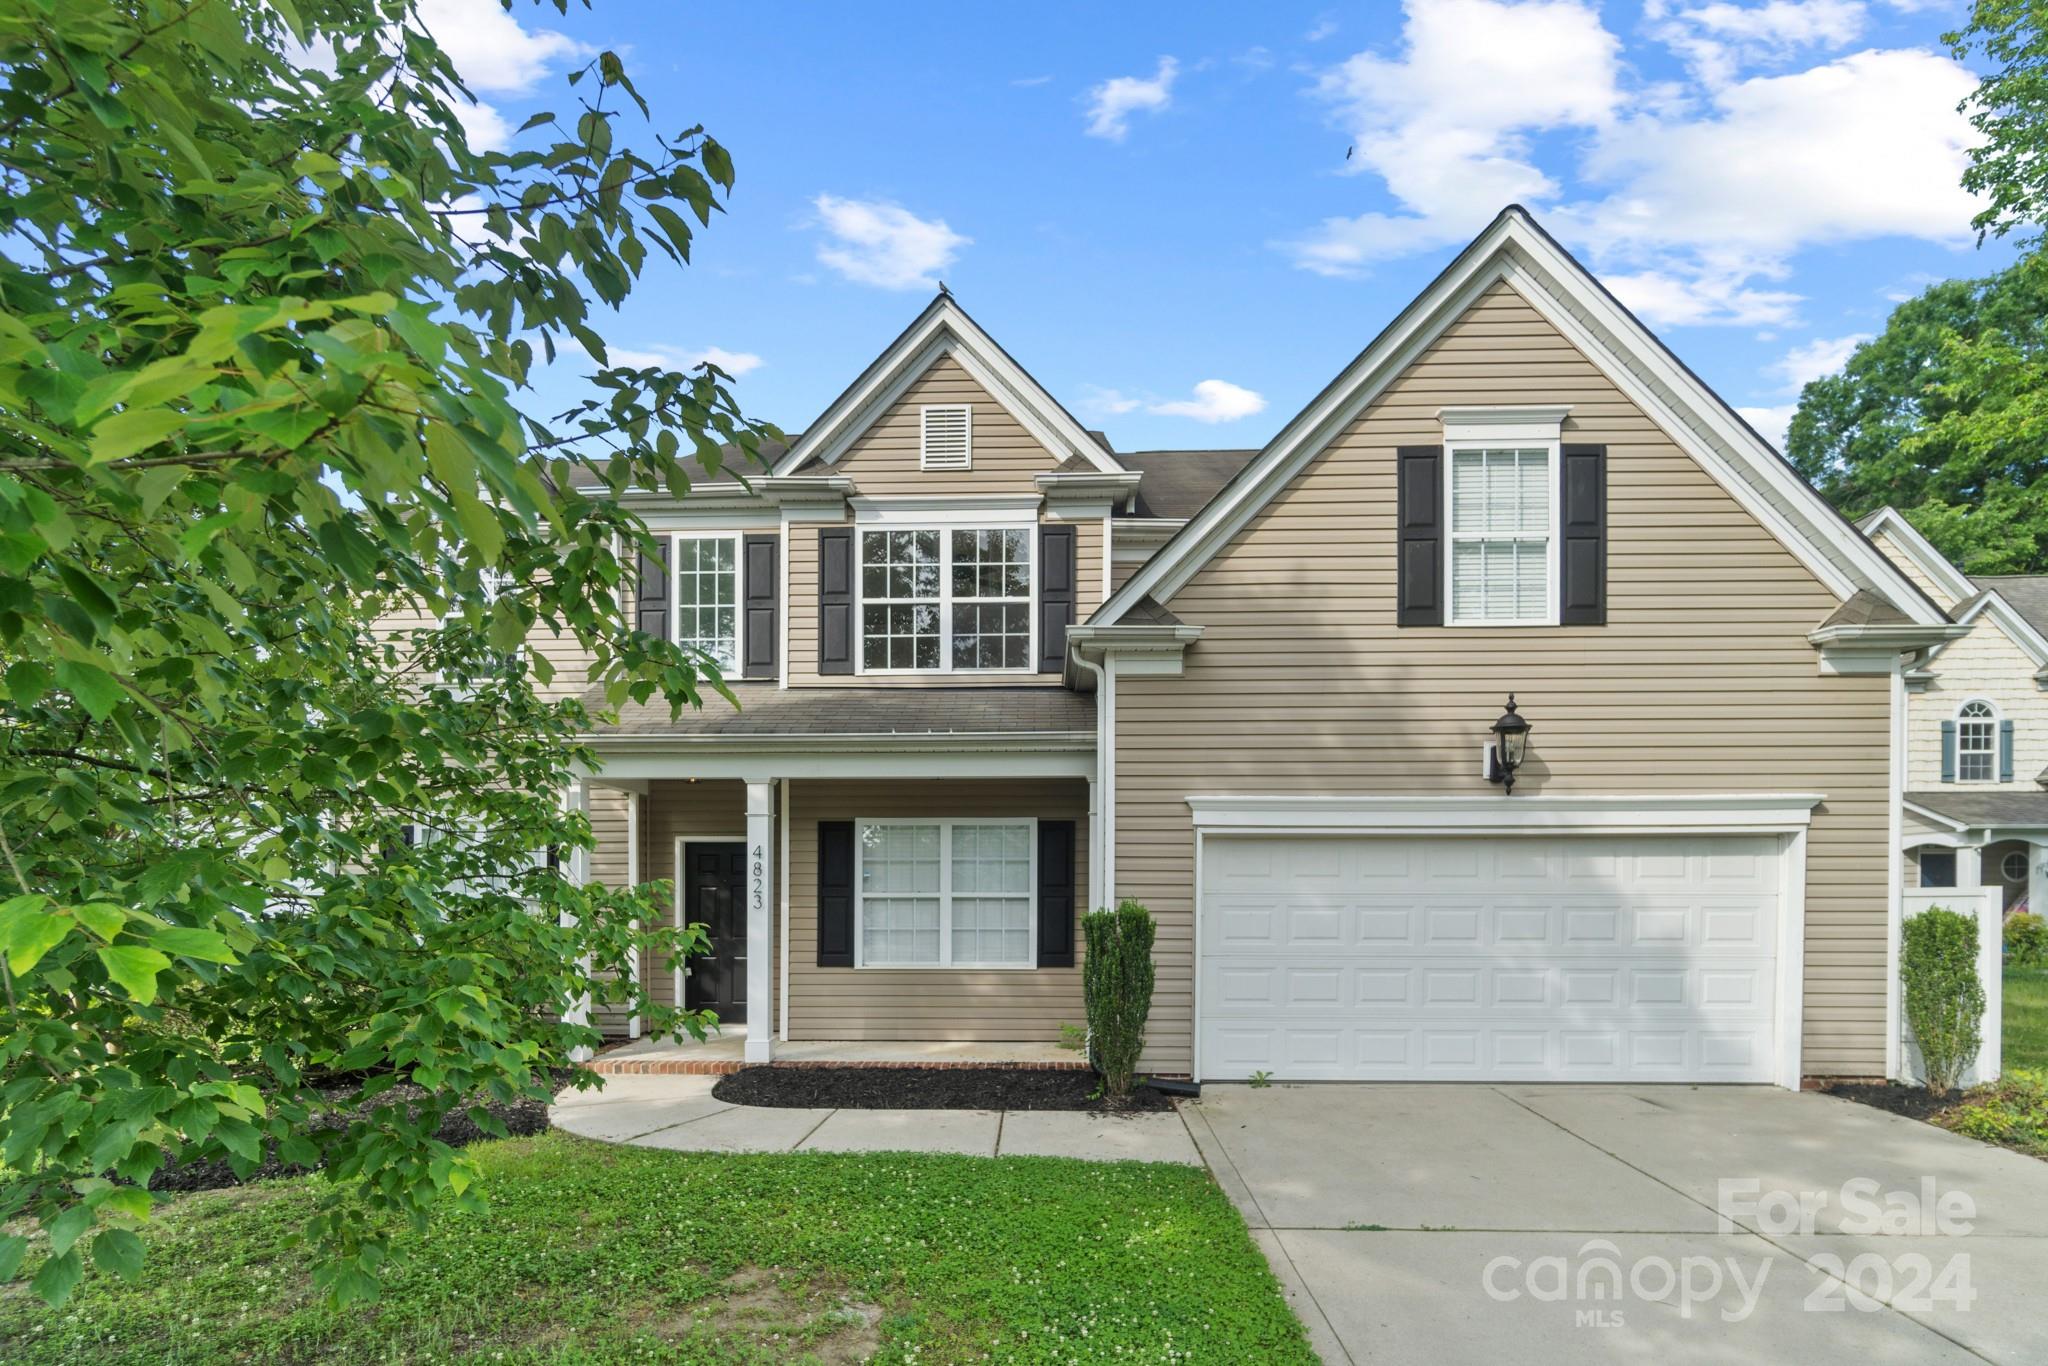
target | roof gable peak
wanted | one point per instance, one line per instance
(944, 328)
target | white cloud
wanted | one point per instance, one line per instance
(1111, 104)
(1215, 400)
(1448, 124)
(1323, 28)
(734, 363)
(1691, 198)
(1717, 40)
(1821, 356)
(1029, 81)
(881, 244)
(491, 48)
(1771, 423)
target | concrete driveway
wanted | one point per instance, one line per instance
(1585, 1223)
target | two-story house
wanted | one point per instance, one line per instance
(994, 672)
(1976, 721)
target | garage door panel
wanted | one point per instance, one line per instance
(1571, 959)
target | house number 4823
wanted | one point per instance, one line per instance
(759, 880)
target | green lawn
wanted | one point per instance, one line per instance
(593, 1253)
(2026, 1017)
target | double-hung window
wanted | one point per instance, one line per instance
(1502, 503)
(707, 597)
(945, 894)
(1976, 743)
(945, 599)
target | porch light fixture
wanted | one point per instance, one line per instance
(1510, 746)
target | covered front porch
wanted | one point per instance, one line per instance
(882, 896)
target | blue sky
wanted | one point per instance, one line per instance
(1184, 219)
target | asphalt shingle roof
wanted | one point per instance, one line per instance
(768, 710)
(2027, 593)
(1865, 608)
(1986, 808)
(1178, 483)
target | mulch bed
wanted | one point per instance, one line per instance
(1914, 1102)
(927, 1088)
(520, 1118)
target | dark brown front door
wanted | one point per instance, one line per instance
(714, 884)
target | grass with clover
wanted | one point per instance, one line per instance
(592, 1253)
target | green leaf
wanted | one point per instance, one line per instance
(135, 429)
(68, 1227)
(58, 1278)
(95, 688)
(12, 1248)
(134, 968)
(102, 918)
(119, 1251)
(27, 681)
(205, 945)
(27, 931)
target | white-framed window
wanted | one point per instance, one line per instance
(945, 439)
(1503, 530)
(941, 599)
(706, 577)
(2013, 867)
(1976, 742)
(1937, 867)
(936, 894)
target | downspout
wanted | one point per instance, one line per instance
(1895, 865)
(1100, 822)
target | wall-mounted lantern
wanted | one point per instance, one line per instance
(1510, 746)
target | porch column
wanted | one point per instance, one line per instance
(761, 897)
(1969, 867)
(2037, 877)
(633, 880)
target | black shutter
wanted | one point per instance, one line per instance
(1582, 540)
(1055, 894)
(1948, 751)
(651, 601)
(760, 639)
(1056, 596)
(835, 894)
(835, 600)
(1419, 590)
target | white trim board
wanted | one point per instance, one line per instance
(1661, 813)
(944, 329)
(2016, 628)
(1931, 562)
(1514, 249)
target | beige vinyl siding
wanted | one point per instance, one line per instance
(961, 1004)
(1120, 572)
(1088, 552)
(1702, 680)
(1006, 458)
(610, 866)
(1985, 664)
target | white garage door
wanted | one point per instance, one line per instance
(1530, 959)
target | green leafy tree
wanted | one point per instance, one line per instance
(281, 793)
(1940, 416)
(1945, 415)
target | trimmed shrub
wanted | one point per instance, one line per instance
(2026, 940)
(1944, 999)
(1116, 983)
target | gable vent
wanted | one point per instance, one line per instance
(947, 438)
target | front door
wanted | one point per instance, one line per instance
(714, 881)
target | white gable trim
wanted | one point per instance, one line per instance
(2015, 626)
(944, 329)
(1921, 551)
(1515, 250)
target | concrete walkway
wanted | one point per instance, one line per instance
(680, 1113)
(1456, 1224)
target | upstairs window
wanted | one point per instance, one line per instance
(707, 597)
(945, 600)
(946, 436)
(1976, 743)
(1500, 542)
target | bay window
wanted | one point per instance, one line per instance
(945, 599)
(945, 894)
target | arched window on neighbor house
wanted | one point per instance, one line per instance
(1975, 744)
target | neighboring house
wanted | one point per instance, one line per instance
(993, 673)
(1976, 812)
